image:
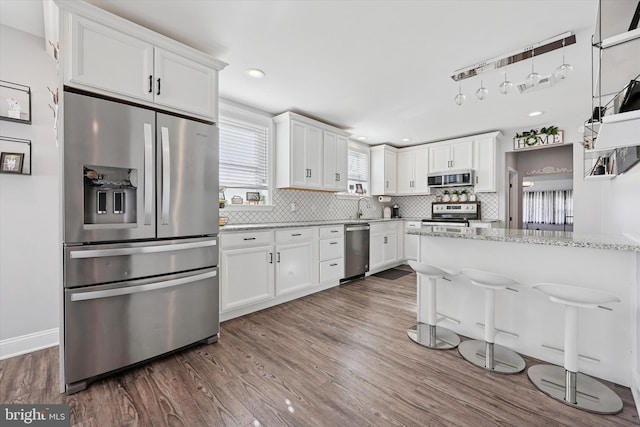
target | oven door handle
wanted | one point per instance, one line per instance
(85, 296)
(100, 253)
(166, 175)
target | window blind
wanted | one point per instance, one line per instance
(244, 154)
(358, 166)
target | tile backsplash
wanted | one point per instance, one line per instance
(318, 206)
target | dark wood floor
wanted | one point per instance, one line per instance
(337, 358)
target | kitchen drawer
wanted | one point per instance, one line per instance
(294, 235)
(382, 226)
(331, 248)
(246, 240)
(331, 270)
(410, 225)
(332, 232)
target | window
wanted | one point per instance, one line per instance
(358, 169)
(244, 155)
(548, 207)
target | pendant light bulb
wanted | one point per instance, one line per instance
(534, 78)
(460, 97)
(482, 92)
(506, 85)
(564, 70)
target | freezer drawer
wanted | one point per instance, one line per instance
(112, 326)
(97, 264)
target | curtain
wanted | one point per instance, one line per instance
(548, 207)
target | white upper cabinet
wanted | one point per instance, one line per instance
(412, 169)
(383, 170)
(106, 54)
(484, 164)
(185, 84)
(110, 60)
(335, 162)
(447, 156)
(309, 154)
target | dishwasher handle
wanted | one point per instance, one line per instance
(359, 227)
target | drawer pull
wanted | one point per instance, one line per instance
(296, 234)
(249, 238)
(335, 231)
(333, 265)
(333, 243)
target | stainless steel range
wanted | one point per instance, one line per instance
(455, 214)
(140, 236)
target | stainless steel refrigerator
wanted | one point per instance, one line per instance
(140, 235)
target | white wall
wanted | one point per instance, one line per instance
(30, 253)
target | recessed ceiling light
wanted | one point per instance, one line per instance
(361, 138)
(535, 113)
(254, 73)
(406, 139)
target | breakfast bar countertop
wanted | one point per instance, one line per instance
(536, 237)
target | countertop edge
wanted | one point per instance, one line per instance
(485, 234)
(233, 228)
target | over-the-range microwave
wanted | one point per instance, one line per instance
(451, 179)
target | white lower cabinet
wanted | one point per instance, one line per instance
(264, 268)
(246, 269)
(331, 254)
(384, 245)
(411, 240)
(294, 269)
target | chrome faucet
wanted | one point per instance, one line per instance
(359, 211)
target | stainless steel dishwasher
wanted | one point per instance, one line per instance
(356, 250)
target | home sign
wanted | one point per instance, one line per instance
(538, 138)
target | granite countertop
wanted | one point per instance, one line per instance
(536, 237)
(273, 225)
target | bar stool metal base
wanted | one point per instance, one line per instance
(433, 337)
(591, 395)
(505, 361)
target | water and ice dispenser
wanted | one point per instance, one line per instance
(109, 195)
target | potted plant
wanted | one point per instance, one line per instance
(446, 196)
(463, 195)
(455, 196)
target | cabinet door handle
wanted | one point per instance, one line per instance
(150, 83)
(339, 178)
(385, 240)
(386, 184)
(270, 257)
(249, 238)
(333, 265)
(309, 173)
(278, 257)
(158, 87)
(476, 179)
(296, 234)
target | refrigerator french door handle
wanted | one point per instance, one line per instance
(148, 174)
(166, 175)
(100, 253)
(85, 296)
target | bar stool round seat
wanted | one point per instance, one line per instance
(565, 383)
(428, 334)
(486, 354)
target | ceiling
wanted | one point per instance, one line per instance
(379, 69)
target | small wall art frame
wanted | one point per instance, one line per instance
(15, 156)
(15, 102)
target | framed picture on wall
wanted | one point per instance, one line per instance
(359, 189)
(11, 162)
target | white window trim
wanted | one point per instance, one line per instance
(232, 109)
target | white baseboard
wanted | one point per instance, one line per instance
(27, 343)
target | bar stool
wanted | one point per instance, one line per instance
(486, 354)
(566, 384)
(428, 334)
